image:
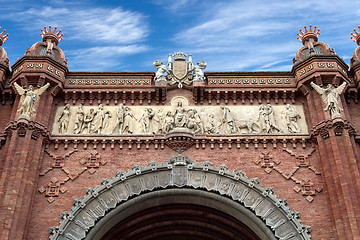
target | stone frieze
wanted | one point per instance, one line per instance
(261, 119)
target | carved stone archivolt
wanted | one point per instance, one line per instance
(180, 173)
(179, 117)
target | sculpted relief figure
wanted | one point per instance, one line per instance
(29, 98)
(210, 127)
(120, 111)
(202, 121)
(227, 122)
(64, 119)
(169, 122)
(79, 121)
(128, 121)
(291, 119)
(193, 121)
(107, 117)
(331, 97)
(97, 122)
(147, 120)
(266, 119)
(180, 119)
(159, 122)
(88, 120)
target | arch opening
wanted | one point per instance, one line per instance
(180, 214)
(180, 221)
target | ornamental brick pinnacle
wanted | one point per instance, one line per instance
(356, 36)
(312, 33)
(3, 37)
(51, 35)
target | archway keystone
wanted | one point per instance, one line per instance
(260, 208)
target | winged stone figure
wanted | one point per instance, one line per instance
(29, 98)
(331, 97)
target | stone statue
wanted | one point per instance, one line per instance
(161, 70)
(64, 119)
(79, 121)
(120, 118)
(98, 119)
(331, 97)
(29, 98)
(291, 119)
(128, 121)
(198, 71)
(88, 120)
(180, 119)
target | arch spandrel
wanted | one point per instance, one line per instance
(180, 176)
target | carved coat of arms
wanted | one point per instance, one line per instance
(179, 69)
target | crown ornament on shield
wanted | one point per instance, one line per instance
(179, 70)
(3, 37)
(356, 36)
(179, 56)
(53, 36)
(311, 34)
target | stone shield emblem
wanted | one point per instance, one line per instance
(180, 176)
(180, 69)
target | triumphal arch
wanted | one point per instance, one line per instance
(180, 153)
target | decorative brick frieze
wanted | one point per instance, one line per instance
(52, 189)
(266, 161)
(305, 186)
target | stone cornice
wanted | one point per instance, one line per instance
(322, 58)
(181, 142)
(39, 59)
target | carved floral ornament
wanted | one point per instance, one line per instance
(180, 172)
(179, 117)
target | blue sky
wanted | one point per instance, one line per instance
(228, 35)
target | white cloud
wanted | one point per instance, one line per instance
(115, 32)
(91, 24)
(250, 35)
(102, 58)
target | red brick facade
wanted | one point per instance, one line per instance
(317, 172)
